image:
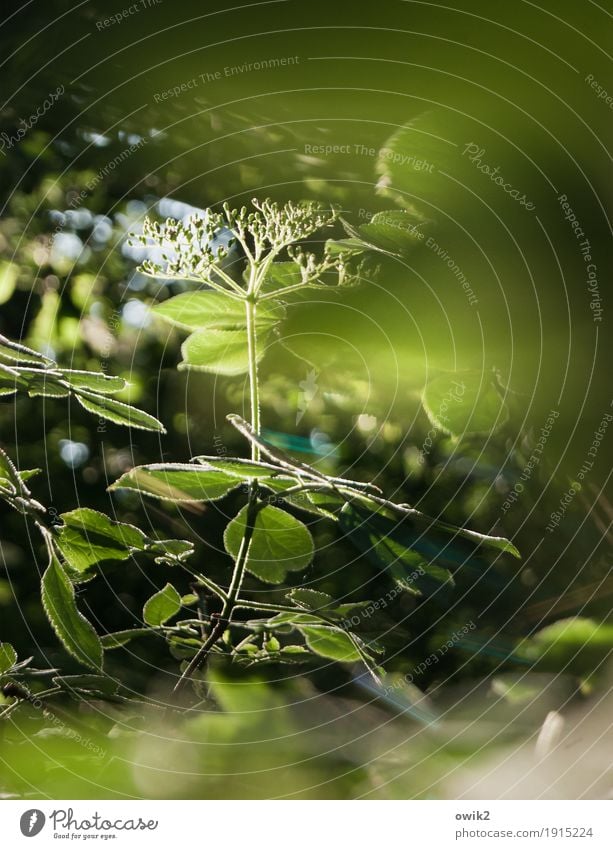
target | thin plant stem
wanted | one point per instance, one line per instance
(232, 597)
(251, 307)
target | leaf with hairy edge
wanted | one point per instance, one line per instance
(310, 599)
(88, 537)
(243, 469)
(170, 551)
(407, 553)
(9, 476)
(10, 380)
(280, 543)
(418, 551)
(118, 412)
(178, 482)
(104, 384)
(348, 247)
(396, 230)
(90, 686)
(331, 643)
(220, 351)
(18, 353)
(325, 504)
(44, 382)
(8, 657)
(286, 621)
(162, 606)
(121, 638)
(13, 488)
(74, 631)
(214, 311)
(280, 275)
(314, 601)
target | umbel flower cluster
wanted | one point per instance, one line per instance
(192, 250)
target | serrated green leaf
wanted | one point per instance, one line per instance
(396, 230)
(220, 351)
(15, 352)
(407, 552)
(74, 631)
(87, 685)
(121, 638)
(13, 487)
(417, 550)
(97, 382)
(9, 477)
(280, 543)
(162, 606)
(240, 468)
(171, 551)
(331, 643)
(280, 275)
(44, 383)
(285, 621)
(465, 402)
(310, 599)
(10, 380)
(88, 537)
(177, 482)
(353, 245)
(117, 412)
(8, 657)
(214, 311)
(26, 474)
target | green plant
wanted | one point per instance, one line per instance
(231, 317)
